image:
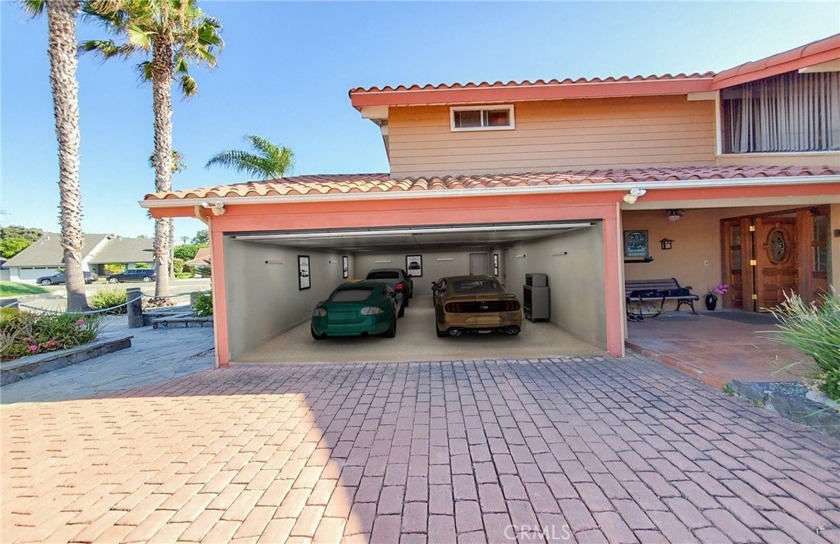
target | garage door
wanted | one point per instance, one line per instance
(31, 274)
(269, 303)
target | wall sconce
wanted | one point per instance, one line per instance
(441, 259)
(559, 253)
(275, 261)
(522, 256)
(674, 215)
(666, 244)
(383, 261)
(634, 195)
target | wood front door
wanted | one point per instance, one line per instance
(775, 252)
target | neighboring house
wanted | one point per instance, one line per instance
(730, 177)
(45, 256)
(129, 252)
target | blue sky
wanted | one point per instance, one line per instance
(287, 67)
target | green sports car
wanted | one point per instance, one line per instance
(358, 309)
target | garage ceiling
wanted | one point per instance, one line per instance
(416, 238)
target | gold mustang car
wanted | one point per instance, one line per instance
(475, 304)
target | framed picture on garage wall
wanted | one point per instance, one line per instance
(496, 264)
(304, 281)
(414, 265)
(345, 266)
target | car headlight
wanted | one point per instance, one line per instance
(371, 310)
(319, 312)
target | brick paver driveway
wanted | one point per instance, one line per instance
(594, 450)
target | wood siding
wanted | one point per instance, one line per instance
(557, 135)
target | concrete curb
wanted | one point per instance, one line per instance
(33, 365)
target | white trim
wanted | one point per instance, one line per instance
(718, 125)
(499, 107)
(623, 186)
(378, 233)
(832, 153)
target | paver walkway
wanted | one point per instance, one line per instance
(598, 450)
(155, 355)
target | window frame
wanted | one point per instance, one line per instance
(500, 107)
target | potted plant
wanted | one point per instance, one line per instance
(711, 298)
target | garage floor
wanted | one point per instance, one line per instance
(416, 340)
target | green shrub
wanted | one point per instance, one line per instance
(27, 333)
(203, 271)
(108, 298)
(142, 266)
(114, 268)
(814, 329)
(177, 266)
(203, 306)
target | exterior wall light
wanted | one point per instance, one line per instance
(674, 215)
(666, 244)
(634, 195)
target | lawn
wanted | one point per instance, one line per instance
(14, 289)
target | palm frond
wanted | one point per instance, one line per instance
(242, 161)
(34, 7)
(188, 85)
(106, 48)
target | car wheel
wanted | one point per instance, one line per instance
(46, 282)
(88, 282)
(401, 313)
(405, 302)
(147, 279)
(437, 331)
(392, 331)
(315, 335)
(113, 280)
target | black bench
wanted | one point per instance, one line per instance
(656, 291)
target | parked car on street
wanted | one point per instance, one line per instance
(476, 304)
(365, 308)
(397, 278)
(58, 279)
(133, 274)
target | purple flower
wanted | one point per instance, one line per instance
(722, 289)
(33, 348)
(80, 322)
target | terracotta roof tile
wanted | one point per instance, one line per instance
(378, 183)
(528, 83)
(799, 57)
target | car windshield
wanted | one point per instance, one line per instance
(475, 286)
(352, 295)
(383, 275)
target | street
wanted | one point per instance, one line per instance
(56, 298)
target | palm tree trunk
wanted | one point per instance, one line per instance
(61, 20)
(162, 79)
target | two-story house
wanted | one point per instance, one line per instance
(730, 177)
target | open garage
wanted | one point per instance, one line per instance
(269, 304)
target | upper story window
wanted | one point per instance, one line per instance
(482, 118)
(788, 113)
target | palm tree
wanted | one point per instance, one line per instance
(269, 161)
(61, 22)
(172, 34)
